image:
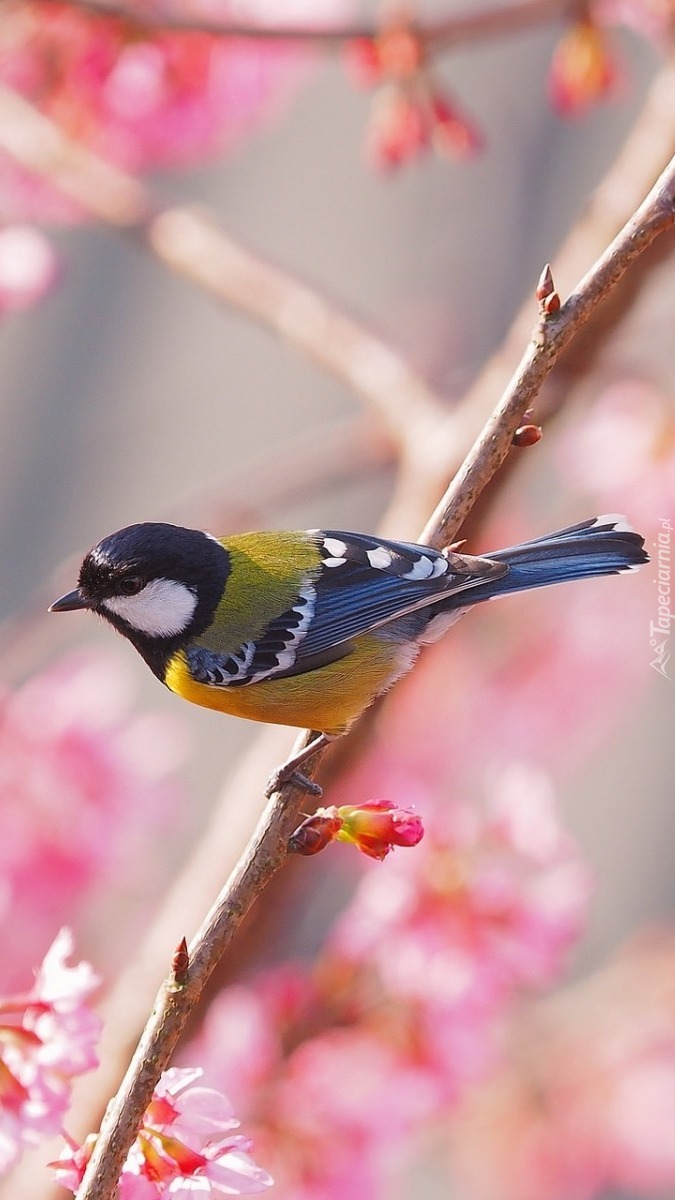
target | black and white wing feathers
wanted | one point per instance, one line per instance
(362, 584)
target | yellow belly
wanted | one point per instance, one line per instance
(327, 699)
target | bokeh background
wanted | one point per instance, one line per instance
(129, 395)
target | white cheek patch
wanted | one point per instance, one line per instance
(163, 608)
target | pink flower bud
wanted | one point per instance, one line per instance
(582, 70)
(453, 133)
(376, 826)
(397, 131)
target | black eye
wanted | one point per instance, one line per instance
(130, 585)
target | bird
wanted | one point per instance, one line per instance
(306, 628)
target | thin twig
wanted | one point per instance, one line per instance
(434, 35)
(192, 244)
(655, 216)
(266, 850)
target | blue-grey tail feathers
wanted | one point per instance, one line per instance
(602, 546)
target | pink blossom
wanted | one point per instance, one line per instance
(582, 1103)
(47, 1037)
(376, 826)
(27, 267)
(487, 907)
(339, 1113)
(143, 97)
(625, 446)
(373, 826)
(582, 71)
(242, 1040)
(185, 1147)
(410, 112)
(453, 133)
(406, 1005)
(397, 131)
(471, 898)
(651, 18)
(81, 785)
(406, 121)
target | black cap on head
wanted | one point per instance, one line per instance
(156, 550)
(122, 566)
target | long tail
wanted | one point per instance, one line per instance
(602, 546)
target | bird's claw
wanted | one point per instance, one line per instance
(289, 775)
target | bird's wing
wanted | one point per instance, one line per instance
(366, 582)
(362, 583)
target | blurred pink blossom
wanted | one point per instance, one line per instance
(625, 446)
(47, 1037)
(339, 1116)
(28, 267)
(583, 1103)
(405, 1005)
(652, 18)
(583, 70)
(82, 784)
(410, 112)
(488, 905)
(143, 96)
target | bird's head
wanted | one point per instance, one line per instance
(157, 584)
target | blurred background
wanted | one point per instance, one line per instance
(129, 395)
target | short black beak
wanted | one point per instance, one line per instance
(70, 602)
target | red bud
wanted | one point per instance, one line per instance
(180, 964)
(527, 435)
(315, 832)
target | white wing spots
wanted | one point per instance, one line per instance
(380, 558)
(335, 551)
(427, 568)
(163, 608)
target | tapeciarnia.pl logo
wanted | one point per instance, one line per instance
(659, 630)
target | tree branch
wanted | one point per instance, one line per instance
(434, 36)
(655, 216)
(266, 850)
(191, 243)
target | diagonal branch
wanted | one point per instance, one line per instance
(434, 35)
(266, 850)
(192, 244)
(655, 216)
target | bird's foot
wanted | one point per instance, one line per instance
(288, 775)
(288, 772)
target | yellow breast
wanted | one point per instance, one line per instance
(327, 699)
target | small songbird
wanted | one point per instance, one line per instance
(307, 628)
